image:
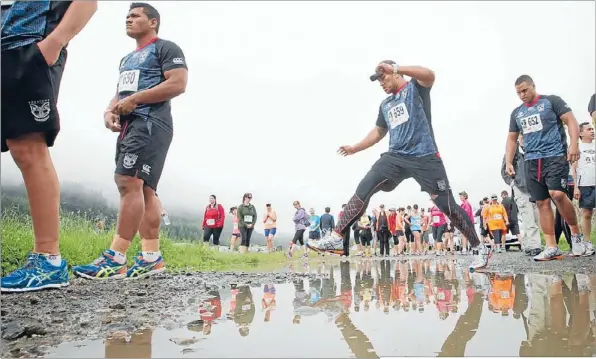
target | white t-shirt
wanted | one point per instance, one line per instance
(586, 165)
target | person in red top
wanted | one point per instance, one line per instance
(213, 221)
(392, 227)
(210, 310)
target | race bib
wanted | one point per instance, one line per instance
(248, 219)
(497, 217)
(441, 296)
(246, 307)
(211, 222)
(436, 219)
(269, 221)
(235, 225)
(398, 114)
(531, 124)
(505, 295)
(129, 81)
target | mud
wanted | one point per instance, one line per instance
(87, 317)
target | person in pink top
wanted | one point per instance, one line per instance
(467, 207)
(235, 231)
(439, 225)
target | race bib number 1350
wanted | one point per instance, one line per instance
(531, 124)
(129, 81)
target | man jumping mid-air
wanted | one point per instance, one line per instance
(413, 153)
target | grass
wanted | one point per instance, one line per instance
(80, 244)
(564, 245)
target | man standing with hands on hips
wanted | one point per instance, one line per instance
(140, 111)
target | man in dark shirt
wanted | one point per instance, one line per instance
(140, 111)
(327, 221)
(33, 40)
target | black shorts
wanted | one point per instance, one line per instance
(513, 228)
(299, 237)
(392, 169)
(29, 94)
(366, 238)
(141, 149)
(588, 197)
(399, 233)
(546, 174)
(438, 233)
(314, 235)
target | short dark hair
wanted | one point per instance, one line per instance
(504, 193)
(327, 209)
(415, 206)
(582, 125)
(524, 78)
(149, 10)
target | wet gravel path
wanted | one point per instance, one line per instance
(33, 322)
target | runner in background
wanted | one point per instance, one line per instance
(365, 224)
(511, 209)
(383, 231)
(247, 217)
(375, 232)
(34, 36)
(314, 231)
(592, 109)
(496, 221)
(467, 207)
(270, 225)
(327, 222)
(140, 110)
(439, 226)
(415, 221)
(399, 231)
(346, 235)
(584, 174)
(300, 224)
(408, 230)
(236, 229)
(392, 217)
(213, 221)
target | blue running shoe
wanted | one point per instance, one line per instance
(142, 268)
(104, 267)
(37, 273)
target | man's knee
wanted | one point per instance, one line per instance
(557, 196)
(588, 214)
(28, 150)
(127, 184)
(544, 204)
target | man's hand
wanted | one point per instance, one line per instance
(125, 106)
(346, 150)
(576, 193)
(112, 123)
(50, 50)
(249, 226)
(573, 154)
(509, 169)
(385, 68)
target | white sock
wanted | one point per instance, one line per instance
(151, 256)
(119, 258)
(54, 259)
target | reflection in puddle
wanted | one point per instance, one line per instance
(370, 309)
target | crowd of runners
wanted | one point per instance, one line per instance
(34, 37)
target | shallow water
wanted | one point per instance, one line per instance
(372, 309)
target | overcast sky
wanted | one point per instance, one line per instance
(275, 87)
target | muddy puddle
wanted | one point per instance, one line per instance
(372, 309)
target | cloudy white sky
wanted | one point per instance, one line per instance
(275, 87)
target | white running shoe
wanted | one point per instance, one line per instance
(579, 249)
(481, 256)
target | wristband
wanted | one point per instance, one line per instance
(105, 112)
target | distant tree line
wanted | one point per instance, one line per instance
(77, 200)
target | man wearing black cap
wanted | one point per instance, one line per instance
(413, 153)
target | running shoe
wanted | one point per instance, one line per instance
(332, 243)
(578, 249)
(142, 268)
(589, 249)
(532, 252)
(549, 254)
(37, 273)
(104, 267)
(481, 256)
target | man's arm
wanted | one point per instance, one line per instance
(375, 135)
(173, 66)
(511, 144)
(564, 112)
(425, 77)
(574, 174)
(592, 108)
(76, 17)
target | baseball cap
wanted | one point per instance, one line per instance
(268, 205)
(493, 197)
(378, 74)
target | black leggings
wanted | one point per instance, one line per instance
(245, 234)
(379, 179)
(383, 236)
(561, 227)
(216, 232)
(299, 237)
(347, 238)
(498, 236)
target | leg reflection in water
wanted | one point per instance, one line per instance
(137, 345)
(465, 329)
(358, 342)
